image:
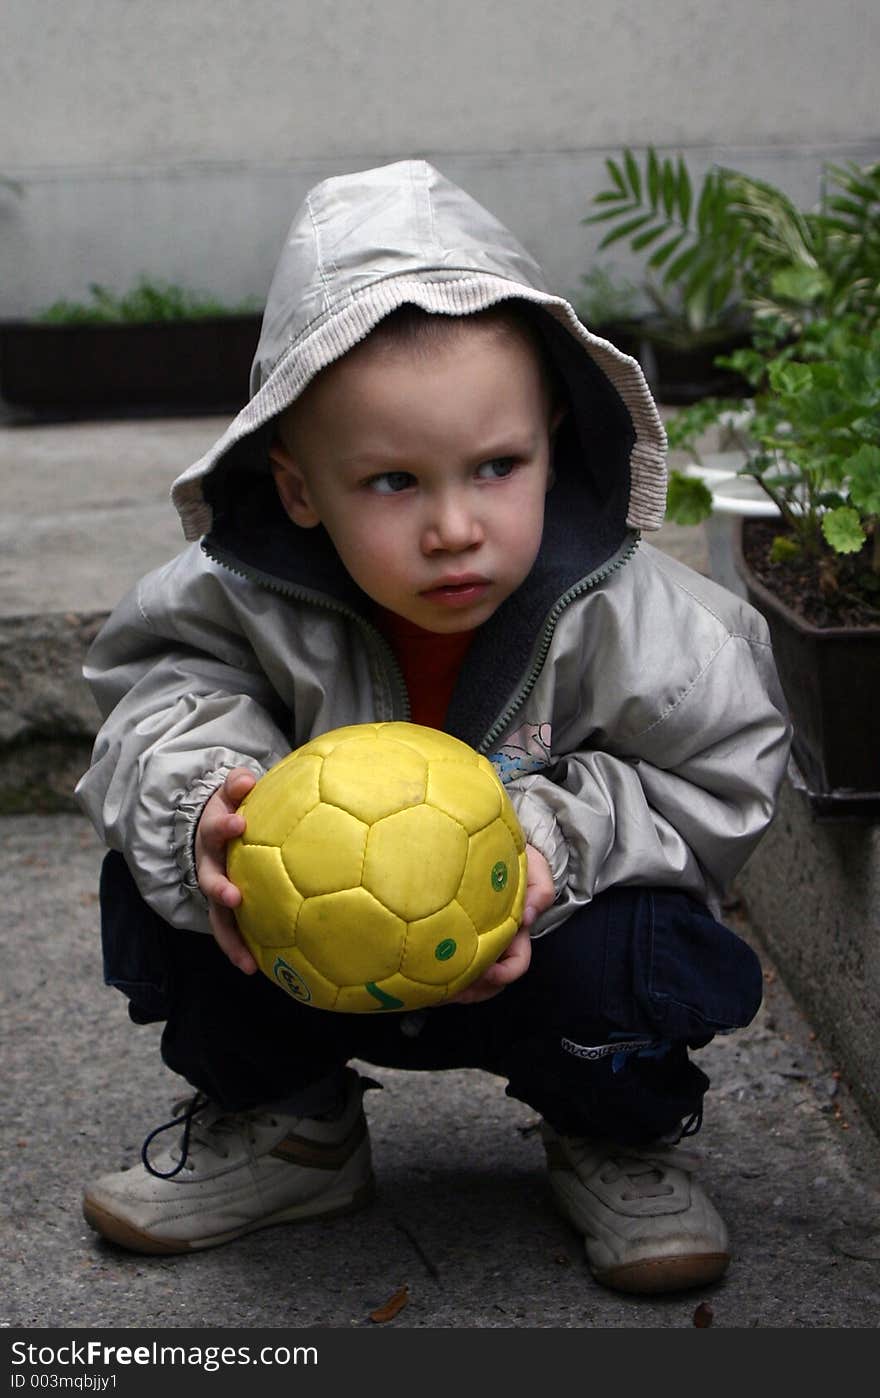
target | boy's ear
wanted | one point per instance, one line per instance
(292, 488)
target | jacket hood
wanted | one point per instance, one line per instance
(359, 246)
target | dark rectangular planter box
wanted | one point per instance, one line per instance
(681, 371)
(81, 371)
(625, 335)
(831, 680)
(677, 373)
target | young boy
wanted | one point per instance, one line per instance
(430, 509)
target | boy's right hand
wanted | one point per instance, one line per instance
(218, 824)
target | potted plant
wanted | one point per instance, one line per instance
(810, 443)
(693, 251)
(156, 349)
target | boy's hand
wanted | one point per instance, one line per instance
(219, 823)
(514, 960)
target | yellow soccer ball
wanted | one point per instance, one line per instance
(382, 868)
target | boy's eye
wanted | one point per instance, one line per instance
(391, 482)
(496, 469)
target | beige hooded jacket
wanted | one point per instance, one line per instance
(631, 706)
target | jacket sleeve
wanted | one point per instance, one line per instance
(679, 801)
(184, 701)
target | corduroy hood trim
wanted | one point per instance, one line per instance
(349, 315)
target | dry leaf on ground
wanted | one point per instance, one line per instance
(703, 1316)
(395, 1303)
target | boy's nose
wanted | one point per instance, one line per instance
(451, 528)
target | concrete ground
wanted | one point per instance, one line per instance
(463, 1218)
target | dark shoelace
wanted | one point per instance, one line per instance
(193, 1106)
(693, 1123)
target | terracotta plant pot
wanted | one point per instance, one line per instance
(831, 680)
(81, 371)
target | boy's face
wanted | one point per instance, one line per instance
(428, 468)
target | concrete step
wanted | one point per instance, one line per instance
(85, 513)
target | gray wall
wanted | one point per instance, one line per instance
(174, 139)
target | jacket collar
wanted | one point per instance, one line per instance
(584, 530)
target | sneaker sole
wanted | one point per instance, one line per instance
(118, 1230)
(664, 1273)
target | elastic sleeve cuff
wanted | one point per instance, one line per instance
(189, 813)
(541, 830)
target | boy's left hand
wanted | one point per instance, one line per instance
(514, 960)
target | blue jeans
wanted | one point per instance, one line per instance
(595, 1037)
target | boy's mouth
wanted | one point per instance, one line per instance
(457, 591)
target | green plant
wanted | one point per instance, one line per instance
(811, 282)
(850, 225)
(740, 245)
(147, 301)
(799, 267)
(812, 443)
(691, 235)
(606, 298)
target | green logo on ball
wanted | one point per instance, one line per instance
(290, 980)
(445, 949)
(386, 1001)
(499, 876)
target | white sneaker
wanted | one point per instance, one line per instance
(647, 1224)
(238, 1172)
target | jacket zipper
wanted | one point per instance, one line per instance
(380, 646)
(376, 642)
(623, 555)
